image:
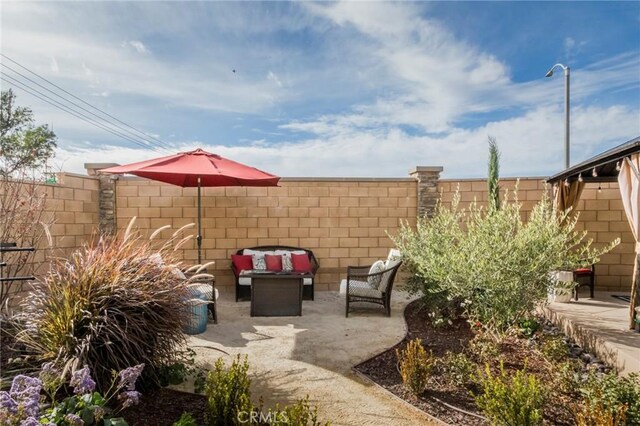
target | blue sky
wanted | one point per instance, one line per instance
(341, 88)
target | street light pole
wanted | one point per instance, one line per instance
(566, 110)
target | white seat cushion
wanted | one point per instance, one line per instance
(378, 266)
(393, 259)
(343, 287)
(205, 289)
(247, 281)
(363, 290)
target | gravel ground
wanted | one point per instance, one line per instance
(313, 355)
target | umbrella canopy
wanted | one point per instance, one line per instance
(187, 168)
(197, 168)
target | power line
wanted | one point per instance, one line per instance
(75, 105)
(68, 110)
(163, 144)
(53, 102)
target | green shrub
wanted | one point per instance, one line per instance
(483, 348)
(516, 401)
(181, 370)
(567, 378)
(415, 366)
(186, 419)
(457, 369)
(496, 263)
(554, 348)
(612, 392)
(174, 373)
(438, 309)
(109, 306)
(227, 392)
(528, 327)
(299, 414)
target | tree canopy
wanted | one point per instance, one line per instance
(23, 144)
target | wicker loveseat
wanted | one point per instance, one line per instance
(243, 283)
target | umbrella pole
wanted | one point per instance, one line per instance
(199, 236)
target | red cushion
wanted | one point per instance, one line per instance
(242, 262)
(300, 263)
(274, 262)
(583, 271)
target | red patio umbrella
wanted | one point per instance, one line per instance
(197, 168)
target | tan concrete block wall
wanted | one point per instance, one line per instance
(72, 210)
(73, 205)
(601, 214)
(343, 221)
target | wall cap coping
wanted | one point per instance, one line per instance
(420, 169)
(307, 179)
(344, 179)
(92, 168)
(485, 179)
(78, 175)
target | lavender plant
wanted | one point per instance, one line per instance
(23, 403)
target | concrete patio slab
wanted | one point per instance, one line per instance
(600, 325)
(291, 357)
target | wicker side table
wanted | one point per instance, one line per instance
(209, 289)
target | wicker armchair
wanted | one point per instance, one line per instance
(372, 288)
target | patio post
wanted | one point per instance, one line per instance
(199, 236)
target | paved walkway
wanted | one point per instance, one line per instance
(600, 325)
(291, 357)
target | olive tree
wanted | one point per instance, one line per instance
(491, 263)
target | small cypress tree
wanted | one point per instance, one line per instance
(494, 172)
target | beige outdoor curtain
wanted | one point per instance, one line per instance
(629, 183)
(567, 196)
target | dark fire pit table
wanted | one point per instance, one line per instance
(274, 294)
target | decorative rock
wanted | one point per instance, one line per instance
(586, 358)
(575, 351)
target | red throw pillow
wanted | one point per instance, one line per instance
(242, 262)
(274, 262)
(300, 263)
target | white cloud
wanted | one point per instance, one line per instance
(394, 89)
(86, 57)
(138, 46)
(54, 65)
(440, 80)
(572, 48)
(271, 76)
(437, 78)
(525, 142)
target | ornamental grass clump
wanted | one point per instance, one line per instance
(111, 305)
